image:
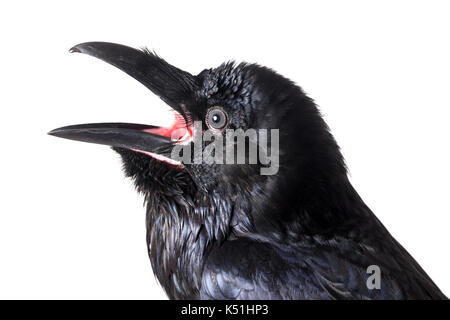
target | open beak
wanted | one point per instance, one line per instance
(172, 85)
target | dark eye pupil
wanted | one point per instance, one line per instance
(216, 118)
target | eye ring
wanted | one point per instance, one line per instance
(216, 119)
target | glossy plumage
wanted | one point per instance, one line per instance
(227, 232)
(304, 234)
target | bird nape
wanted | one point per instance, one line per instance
(226, 231)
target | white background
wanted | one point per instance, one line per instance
(72, 227)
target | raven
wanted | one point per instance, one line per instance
(225, 231)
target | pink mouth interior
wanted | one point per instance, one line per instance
(178, 131)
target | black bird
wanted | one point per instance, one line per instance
(219, 231)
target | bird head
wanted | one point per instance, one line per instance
(231, 97)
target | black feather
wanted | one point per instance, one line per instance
(226, 232)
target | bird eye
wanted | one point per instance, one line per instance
(216, 118)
